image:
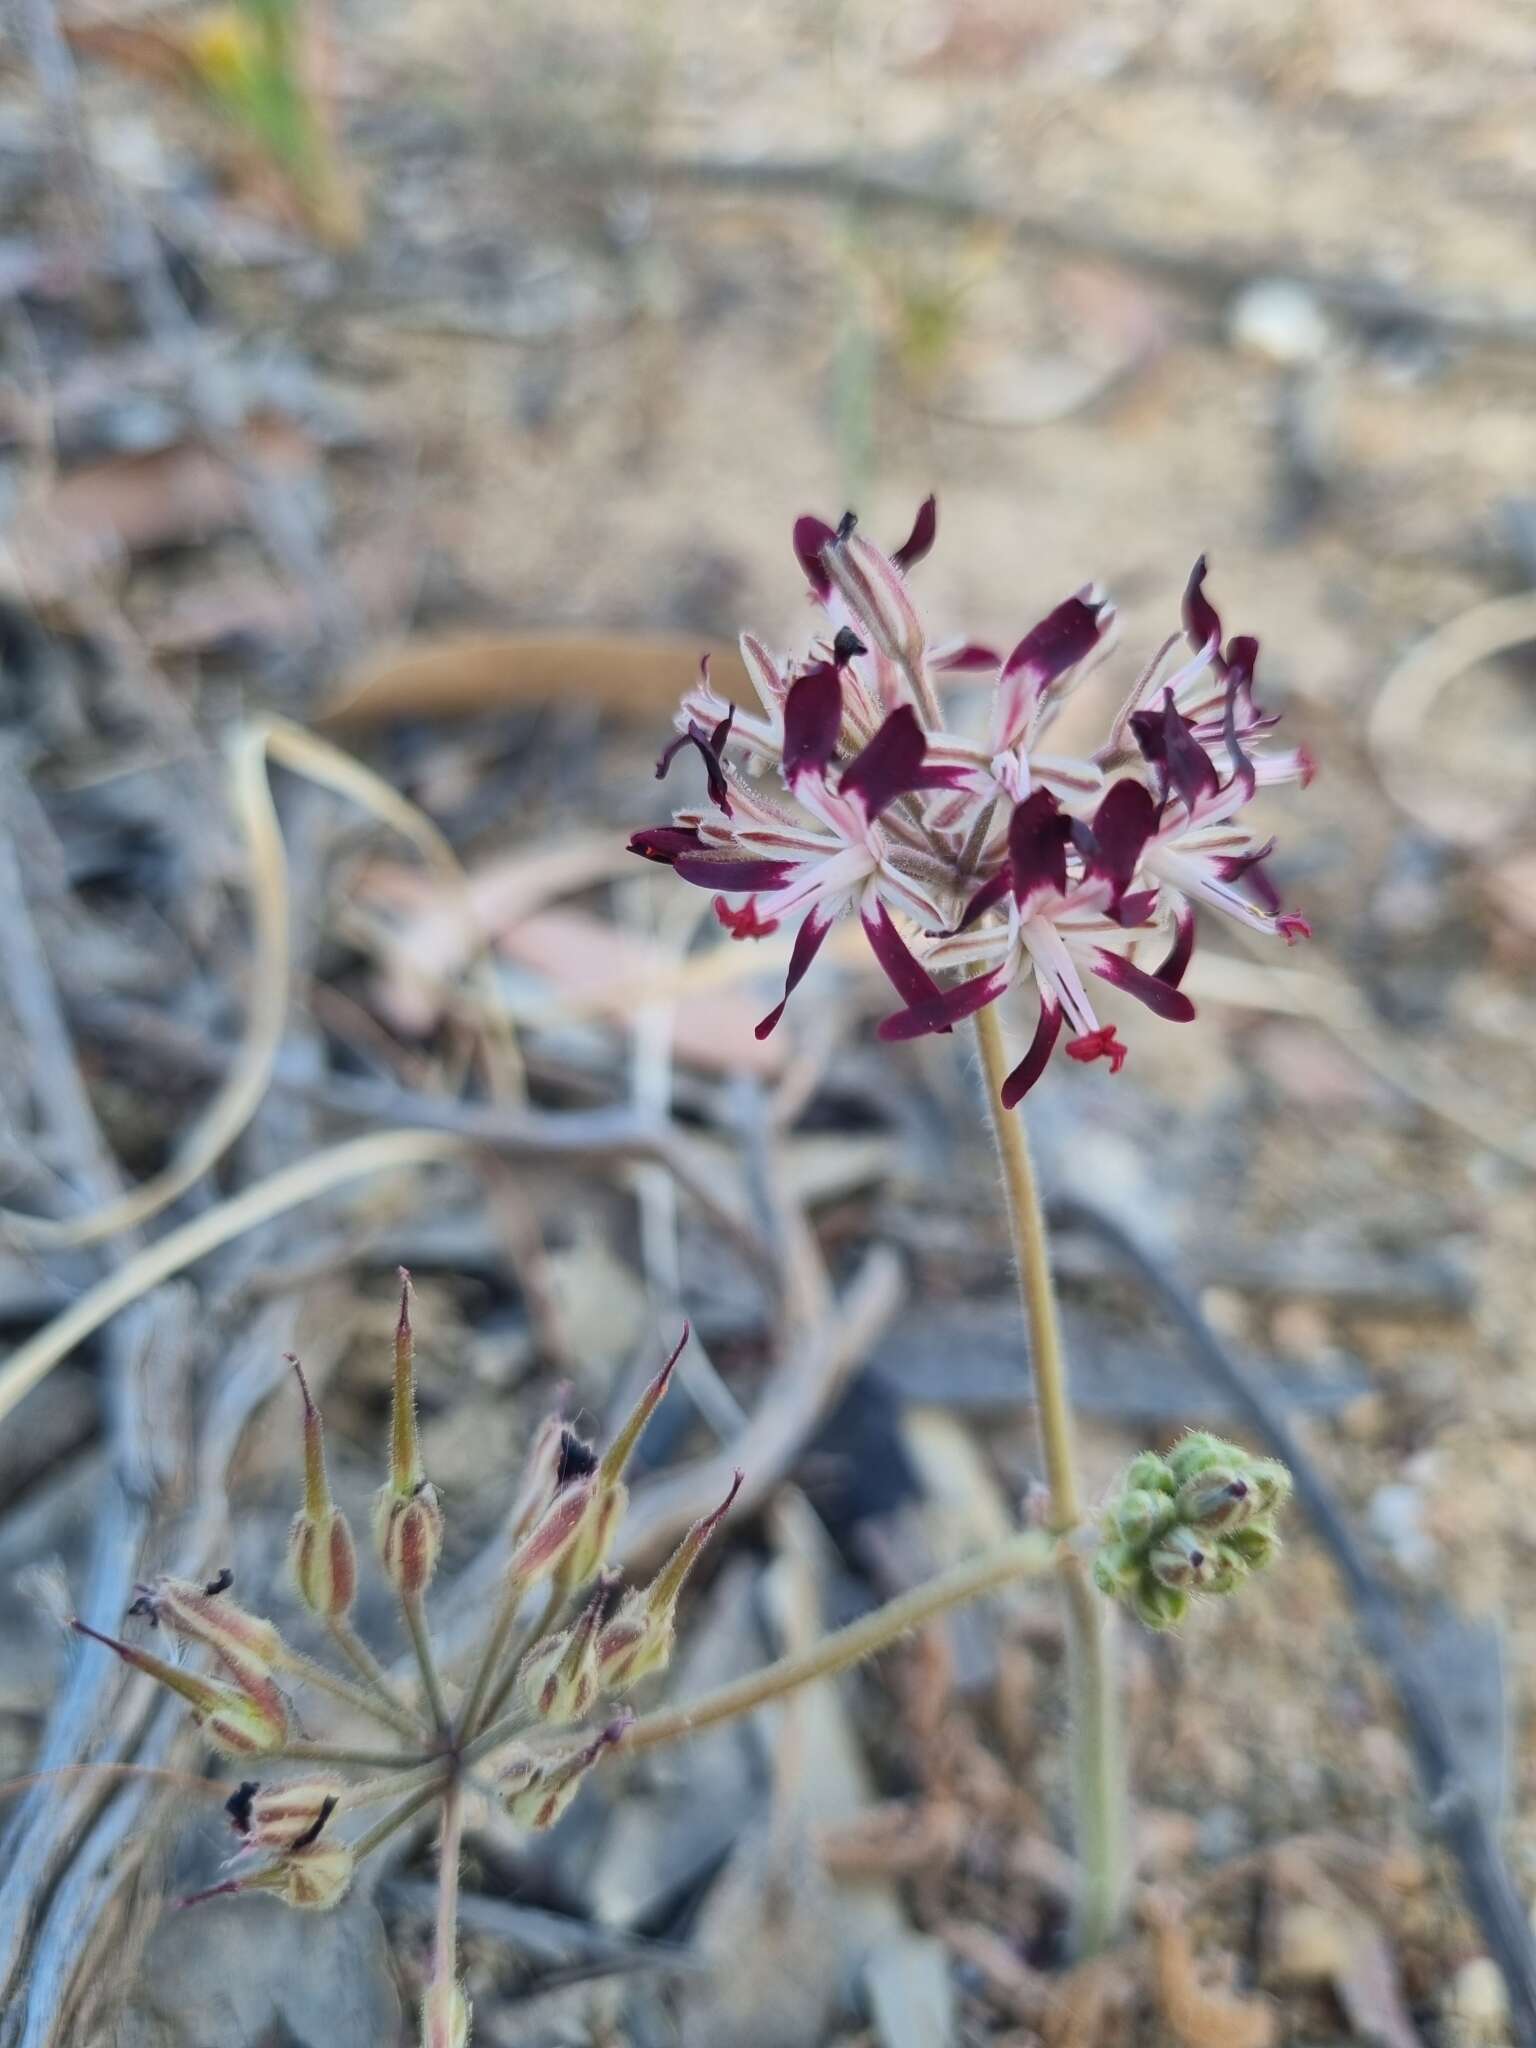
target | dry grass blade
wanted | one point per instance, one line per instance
(1330, 1000)
(381, 1152)
(240, 1095)
(1409, 693)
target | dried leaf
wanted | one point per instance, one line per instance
(1199, 2017)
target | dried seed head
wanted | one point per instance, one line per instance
(638, 1641)
(287, 1815)
(445, 2017)
(236, 1722)
(321, 1553)
(536, 1786)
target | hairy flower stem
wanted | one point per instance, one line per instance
(360, 1700)
(421, 1642)
(396, 1819)
(336, 1753)
(445, 1937)
(1099, 1791)
(490, 1656)
(368, 1668)
(1020, 1557)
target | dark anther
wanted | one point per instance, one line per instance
(312, 1832)
(144, 1605)
(238, 1805)
(220, 1582)
(577, 1460)
(846, 524)
(847, 645)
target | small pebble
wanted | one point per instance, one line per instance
(1281, 321)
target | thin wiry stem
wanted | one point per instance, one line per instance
(366, 1665)
(1100, 1797)
(445, 1938)
(1020, 1556)
(421, 1643)
(381, 1830)
(335, 1753)
(490, 1657)
(362, 1701)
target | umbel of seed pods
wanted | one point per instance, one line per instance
(1197, 1521)
(521, 1710)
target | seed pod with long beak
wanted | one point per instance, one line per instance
(321, 1553)
(407, 1519)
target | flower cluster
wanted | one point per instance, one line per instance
(1198, 1521)
(588, 1644)
(976, 863)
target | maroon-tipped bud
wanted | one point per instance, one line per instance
(321, 1553)
(289, 1815)
(559, 1679)
(407, 1517)
(536, 1786)
(639, 1639)
(234, 1721)
(408, 1534)
(247, 1646)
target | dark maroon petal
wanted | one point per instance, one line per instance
(813, 718)
(1123, 823)
(1249, 868)
(990, 893)
(1202, 621)
(1159, 996)
(1060, 641)
(917, 543)
(971, 656)
(811, 536)
(1135, 907)
(1241, 656)
(1099, 1045)
(1176, 965)
(1038, 833)
(907, 975)
(1033, 1064)
(892, 765)
(950, 1006)
(807, 945)
(1188, 767)
(710, 746)
(665, 842)
(737, 874)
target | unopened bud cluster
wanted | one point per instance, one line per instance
(589, 1640)
(1199, 1520)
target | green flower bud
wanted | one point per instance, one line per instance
(1258, 1545)
(1197, 1452)
(1270, 1481)
(1116, 1569)
(1183, 1559)
(1159, 1606)
(1139, 1516)
(1228, 1570)
(1220, 1497)
(1149, 1472)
